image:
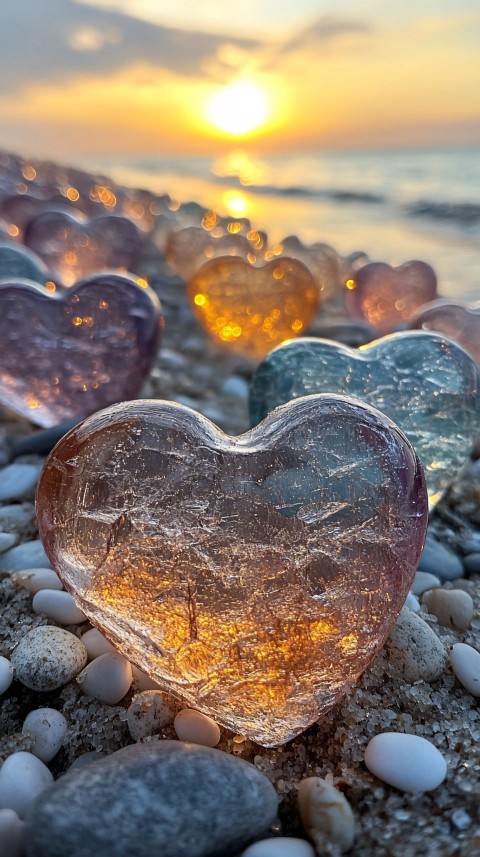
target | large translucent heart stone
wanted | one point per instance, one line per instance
(253, 577)
(457, 320)
(251, 309)
(427, 384)
(387, 297)
(74, 247)
(66, 354)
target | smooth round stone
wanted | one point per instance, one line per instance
(107, 678)
(326, 814)
(22, 778)
(7, 541)
(6, 674)
(48, 657)
(96, 644)
(412, 602)
(58, 606)
(18, 481)
(414, 650)
(149, 712)
(423, 580)
(235, 386)
(142, 681)
(471, 563)
(11, 833)
(281, 846)
(28, 555)
(439, 560)
(465, 662)
(407, 762)
(48, 728)
(166, 798)
(36, 579)
(453, 608)
(197, 728)
(471, 545)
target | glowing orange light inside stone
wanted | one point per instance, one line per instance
(72, 194)
(142, 282)
(351, 284)
(29, 173)
(50, 287)
(200, 300)
(13, 230)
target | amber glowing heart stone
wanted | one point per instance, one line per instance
(67, 354)
(254, 577)
(251, 309)
(387, 297)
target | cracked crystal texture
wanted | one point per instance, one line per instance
(250, 309)
(423, 382)
(67, 354)
(74, 247)
(253, 577)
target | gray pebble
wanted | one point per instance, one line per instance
(438, 559)
(414, 649)
(27, 555)
(149, 712)
(471, 563)
(235, 386)
(423, 580)
(453, 608)
(18, 481)
(18, 517)
(164, 797)
(48, 657)
(471, 545)
(7, 541)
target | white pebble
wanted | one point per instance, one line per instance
(191, 725)
(96, 644)
(47, 727)
(58, 606)
(7, 541)
(48, 657)
(17, 481)
(11, 833)
(22, 778)
(6, 674)
(453, 608)
(107, 678)
(142, 681)
(326, 814)
(465, 662)
(412, 602)
(408, 762)
(281, 846)
(423, 580)
(36, 579)
(414, 649)
(149, 712)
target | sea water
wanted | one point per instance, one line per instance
(394, 206)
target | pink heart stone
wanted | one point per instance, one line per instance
(66, 354)
(458, 321)
(254, 577)
(73, 247)
(387, 297)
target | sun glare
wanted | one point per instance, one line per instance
(239, 108)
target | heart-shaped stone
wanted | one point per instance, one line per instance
(253, 577)
(458, 321)
(188, 249)
(18, 262)
(388, 297)
(67, 354)
(425, 383)
(252, 309)
(73, 247)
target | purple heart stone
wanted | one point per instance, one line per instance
(387, 297)
(458, 321)
(66, 355)
(74, 247)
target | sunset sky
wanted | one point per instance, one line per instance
(129, 77)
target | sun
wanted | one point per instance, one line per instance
(239, 108)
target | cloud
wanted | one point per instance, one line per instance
(46, 42)
(324, 30)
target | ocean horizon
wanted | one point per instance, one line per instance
(392, 205)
